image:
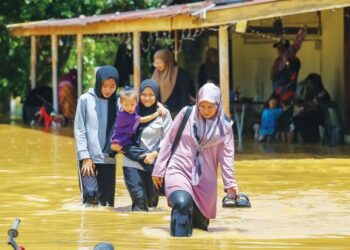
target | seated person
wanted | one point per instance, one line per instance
(126, 125)
(310, 115)
(269, 119)
(46, 117)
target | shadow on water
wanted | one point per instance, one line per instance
(300, 200)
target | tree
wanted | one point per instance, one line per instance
(15, 52)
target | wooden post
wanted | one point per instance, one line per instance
(137, 59)
(80, 63)
(176, 44)
(33, 61)
(224, 68)
(54, 71)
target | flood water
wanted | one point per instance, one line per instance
(299, 200)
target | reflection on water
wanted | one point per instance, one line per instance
(299, 201)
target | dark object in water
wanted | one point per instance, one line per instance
(13, 233)
(104, 246)
(241, 201)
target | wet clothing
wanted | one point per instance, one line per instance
(94, 119)
(137, 178)
(140, 186)
(99, 189)
(203, 145)
(185, 215)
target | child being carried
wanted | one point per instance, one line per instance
(126, 125)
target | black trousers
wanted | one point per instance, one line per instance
(141, 189)
(134, 152)
(185, 215)
(307, 125)
(99, 189)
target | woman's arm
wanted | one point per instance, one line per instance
(226, 158)
(80, 132)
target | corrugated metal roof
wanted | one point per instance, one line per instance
(163, 12)
(186, 16)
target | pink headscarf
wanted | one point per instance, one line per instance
(208, 132)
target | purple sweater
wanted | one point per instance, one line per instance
(125, 127)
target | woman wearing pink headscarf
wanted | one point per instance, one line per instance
(191, 175)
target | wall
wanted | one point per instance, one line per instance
(252, 59)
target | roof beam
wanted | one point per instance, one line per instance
(228, 15)
(221, 15)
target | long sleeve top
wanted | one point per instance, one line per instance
(151, 138)
(179, 170)
(90, 127)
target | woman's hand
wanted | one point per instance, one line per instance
(161, 109)
(232, 192)
(88, 168)
(117, 148)
(150, 157)
(157, 181)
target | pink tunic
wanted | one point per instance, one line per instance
(179, 171)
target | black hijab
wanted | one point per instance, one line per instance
(104, 73)
(143, 110)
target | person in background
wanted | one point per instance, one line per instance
(176, 87)
(67, 95)
(311, 116)
(284, 76)
(209, 70)
(269, 122)
(93, 126)
(190, 178)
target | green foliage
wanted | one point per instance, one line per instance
(15, 52)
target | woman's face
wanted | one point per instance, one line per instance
(148, 98)
(108, 88)
(159, 64)
(207, 109)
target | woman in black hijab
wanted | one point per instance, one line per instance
(94, 119)
(137, 180)
(311, 115)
